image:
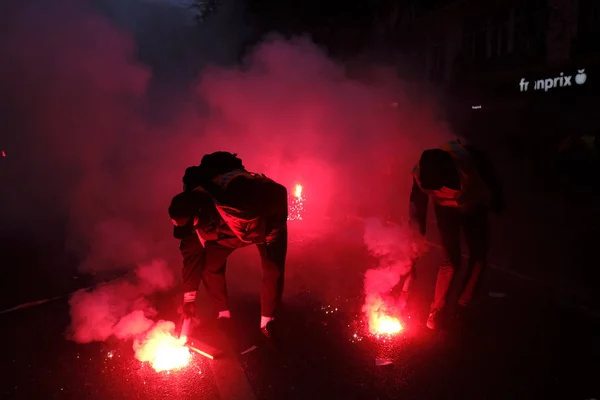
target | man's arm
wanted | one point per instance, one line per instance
(490, 177)
(418, 208)
(192, 253)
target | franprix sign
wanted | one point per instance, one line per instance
(559, 81)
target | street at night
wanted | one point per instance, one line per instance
(268, 200)
(524, 341)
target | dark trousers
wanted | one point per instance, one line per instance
(475, 227)
(208, 265)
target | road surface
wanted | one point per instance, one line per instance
(523, 341)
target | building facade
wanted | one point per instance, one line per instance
(525, 70)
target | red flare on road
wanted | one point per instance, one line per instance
(162, 349)
(380, 317)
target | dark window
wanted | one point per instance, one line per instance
(531, 23)
(588, 27)
(424, 6)
(499, 34)
(475, 39)
(468, 46)
(589, 17)
(480, 44)
(438, 62)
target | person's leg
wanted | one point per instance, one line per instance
(273, 254)
(448, 221)
(476, 227)
(213, 277)
(404, 298)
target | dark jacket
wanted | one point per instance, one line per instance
(419, 200)
(196, 206)
(263, 196)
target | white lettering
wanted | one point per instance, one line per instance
(539, 84)
(523, 85)
(550, 83)
(568, 80)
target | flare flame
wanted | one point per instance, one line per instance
(162, 349)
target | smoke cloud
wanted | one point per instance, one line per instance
(120, 308)
(396, 249)
(79, 105)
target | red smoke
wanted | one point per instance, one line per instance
(119, 308)
(292, 113)
(289, 112)
(132, 325)
(396, 248)
(85, 147)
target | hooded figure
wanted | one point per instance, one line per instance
(463, 187)
(224, 207)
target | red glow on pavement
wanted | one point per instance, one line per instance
(3, 153)
(162, 349)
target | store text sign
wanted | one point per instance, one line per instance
(556, 82)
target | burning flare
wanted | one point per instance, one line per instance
(380, 319)
(296, 204)
(384, 324)
(162, 349)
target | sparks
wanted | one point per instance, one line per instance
(162, 349)
(296, 204)
(329, 309)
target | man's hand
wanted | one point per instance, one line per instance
(189, 304)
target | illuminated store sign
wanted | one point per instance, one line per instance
(557, 82)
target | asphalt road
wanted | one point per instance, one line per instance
(522, 341)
